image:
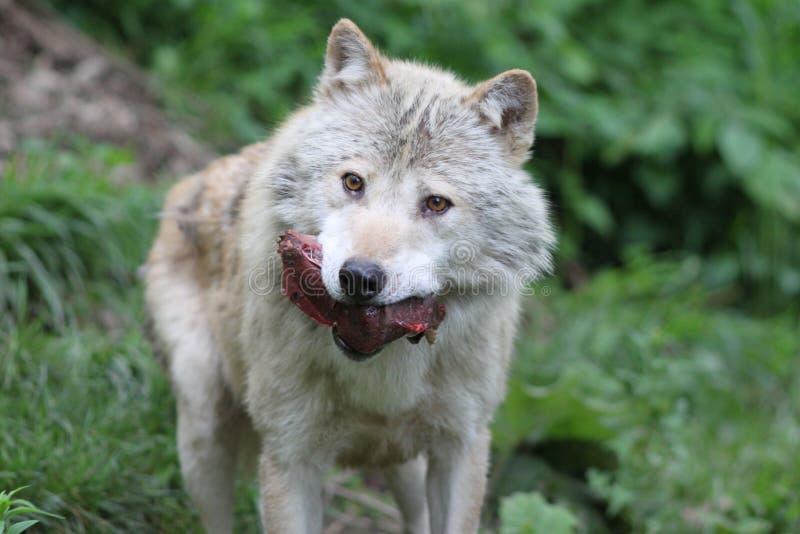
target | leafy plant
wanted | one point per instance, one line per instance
(11, 508)
(697, 404)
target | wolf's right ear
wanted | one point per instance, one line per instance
(350, 61)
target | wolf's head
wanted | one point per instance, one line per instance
(412, 178)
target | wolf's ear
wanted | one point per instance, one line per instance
(509, 103)
(351, 60)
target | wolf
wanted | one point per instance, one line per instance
(412, 182)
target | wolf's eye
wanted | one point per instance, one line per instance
(437, 204)
(353, 182)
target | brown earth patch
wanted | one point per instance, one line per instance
(57, 83)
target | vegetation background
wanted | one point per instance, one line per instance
(657, 382)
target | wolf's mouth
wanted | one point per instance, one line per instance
(360, 331)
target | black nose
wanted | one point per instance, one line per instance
(361, 279)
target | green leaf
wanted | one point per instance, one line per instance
(22, 526)
(740, 147)
(27, 508)
(575, 406)
(14, 492)
(775, 183)
(529, 513)
(588, 208)
(661, 134)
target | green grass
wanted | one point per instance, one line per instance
(64, 223)
(637, 403)
(88, 426)
(84, 410)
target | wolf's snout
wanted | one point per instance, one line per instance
(361, 279)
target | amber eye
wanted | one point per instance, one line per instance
(437, 204)
(353, 182)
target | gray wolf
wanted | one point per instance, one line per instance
(412, 180)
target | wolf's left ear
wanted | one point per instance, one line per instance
(509, 103)
(350, 61)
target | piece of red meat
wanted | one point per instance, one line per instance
(364, 329)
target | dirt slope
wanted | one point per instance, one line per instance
(56, 82)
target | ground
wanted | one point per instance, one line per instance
(56, 83)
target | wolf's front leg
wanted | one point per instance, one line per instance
(456, 484)
(207, 452)
(407, 483)
(291, 497)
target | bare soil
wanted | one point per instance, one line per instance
(57, 83)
